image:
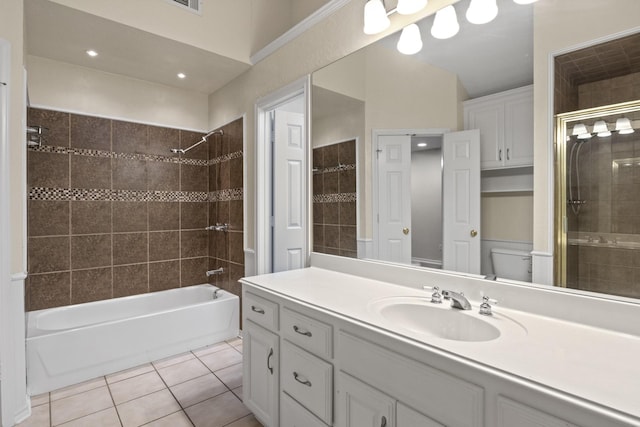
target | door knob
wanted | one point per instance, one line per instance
(405, 231)
(473, 233)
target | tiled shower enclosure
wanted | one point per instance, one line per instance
(112, 212)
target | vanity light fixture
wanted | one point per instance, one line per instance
(580, 130)
(410, 41)
(375, 17)
(482, 11)
(92, 53)
(408, 7)
(601, 129)
(623, 126)
(181, 75)
(445, 24)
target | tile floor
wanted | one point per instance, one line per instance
(202, 388)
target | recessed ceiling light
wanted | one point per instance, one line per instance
(181, 75)
(92, 53)
(422, 144)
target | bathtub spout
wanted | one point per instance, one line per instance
(215, 272)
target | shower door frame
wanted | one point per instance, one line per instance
(560, 145)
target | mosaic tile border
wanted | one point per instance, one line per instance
(105, 195)
(335, 198)
(336, 168)
(225, 157)
(114, 155)
(226, 195)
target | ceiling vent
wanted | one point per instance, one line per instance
(192, 5)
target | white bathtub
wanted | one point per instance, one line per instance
(67, 345)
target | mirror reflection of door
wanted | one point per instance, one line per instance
(413, 225)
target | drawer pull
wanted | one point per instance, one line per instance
(257, 310)
(269, 367)
(384, 422)
(301, 332)
(297, 378)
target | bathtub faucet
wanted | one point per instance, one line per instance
(215, 272)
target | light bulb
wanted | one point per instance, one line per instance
(600, 128)
(482, 11)
(375, 17)
(407, 7)
(410, 41)
(445, 24)
(623, 126)
(579, 129)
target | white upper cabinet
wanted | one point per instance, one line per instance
(505, 121)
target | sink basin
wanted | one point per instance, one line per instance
(420, 316)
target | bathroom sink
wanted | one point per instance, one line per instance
(420, 316)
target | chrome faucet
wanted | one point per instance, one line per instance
(458, 300)
(215, 272)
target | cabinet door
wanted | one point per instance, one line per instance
(260, 373)
(362, 406)
(490, 120)
(407, 417)
(294, 415)
(511, 413)
(519, 131)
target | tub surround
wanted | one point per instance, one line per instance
(172, 322)
(113, 213)
(575, 350)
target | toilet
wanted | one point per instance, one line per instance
(511, 264)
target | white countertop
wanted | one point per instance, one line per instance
(593, 364)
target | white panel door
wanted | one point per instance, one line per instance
(461, 202)
(394, 198)
(289, 192)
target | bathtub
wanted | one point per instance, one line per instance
(68, 345)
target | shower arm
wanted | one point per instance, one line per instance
(204, 139)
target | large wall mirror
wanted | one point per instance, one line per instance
(388, 129)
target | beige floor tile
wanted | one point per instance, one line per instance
(177, 419)
(221, 359)
(79, 405)
(39, 417)
(40, 399)
(163, 363)
(238, 392)
(231, 376)
(217, 411)
(181, 372)
(135, 387)
(198, 389)
(129, 373)
(105, 418)
(147, 408)
(248, 421)
(77, 388)
(211, 349)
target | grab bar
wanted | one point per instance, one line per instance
(218, 227)
(217, 271)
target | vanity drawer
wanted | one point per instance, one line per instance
(309, 379)
(292, 414)
(261, 311)
(306, 332)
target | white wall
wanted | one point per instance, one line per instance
(426, 204)
(66, 87)
(507, 216)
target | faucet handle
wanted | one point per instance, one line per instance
(436, 297)
(485, 307)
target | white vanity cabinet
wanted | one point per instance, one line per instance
(362, 406)
(505, 121)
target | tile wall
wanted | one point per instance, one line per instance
(111, 212)
(335, 199)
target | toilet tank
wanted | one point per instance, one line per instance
(511, 264)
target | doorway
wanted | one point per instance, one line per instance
(282, 179)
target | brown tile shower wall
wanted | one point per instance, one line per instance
(610, 91)
(334, 199)
(112, 212)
